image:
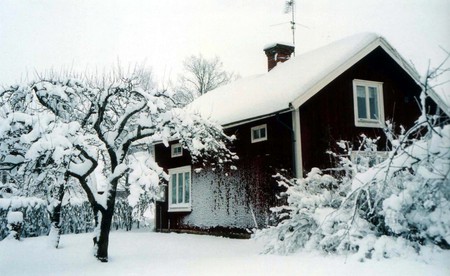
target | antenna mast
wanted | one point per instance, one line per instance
(290, 7)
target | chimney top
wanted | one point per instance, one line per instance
(278, 52)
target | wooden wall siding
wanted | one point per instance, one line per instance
(226, 198)
(329, 117)
(278, 147)
(164, 159)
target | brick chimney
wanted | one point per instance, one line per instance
(278, 52)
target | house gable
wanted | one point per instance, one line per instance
(332, 108)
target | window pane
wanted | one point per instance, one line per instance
(373, 103)
(187, 180)
(361, 101)
(262, 132)
(180, 187)
(174, 188)
(255, 134)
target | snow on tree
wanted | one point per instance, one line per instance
(201, 75)
(403, 201)
(100, 121)
(36, 150)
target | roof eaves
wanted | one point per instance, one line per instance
(249, 120)
(414, 75)
(437, 99)
(399, 60)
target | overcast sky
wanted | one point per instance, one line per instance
(79, 34)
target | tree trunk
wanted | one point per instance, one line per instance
(103, 220)
(55, 217)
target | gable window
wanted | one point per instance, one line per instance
(259, 133)
(180, 189)
(176, 150)
(368, 103)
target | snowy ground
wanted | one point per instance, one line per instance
(145, 253)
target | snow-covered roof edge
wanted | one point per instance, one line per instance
(220, 106)
(415, 75)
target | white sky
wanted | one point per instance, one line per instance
(36, 35)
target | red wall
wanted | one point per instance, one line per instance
(329, 115)
(251, 185)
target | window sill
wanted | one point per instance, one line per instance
(174, 209)
(259, 140)
(368, 123)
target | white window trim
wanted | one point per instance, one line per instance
(378, 123)
(173, 147)
(264, 126)
(180, 207)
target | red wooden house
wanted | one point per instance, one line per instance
(286, 120)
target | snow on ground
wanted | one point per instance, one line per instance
(147, 253)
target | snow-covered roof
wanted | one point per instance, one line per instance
(291, 83)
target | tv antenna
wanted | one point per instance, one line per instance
(290, 8)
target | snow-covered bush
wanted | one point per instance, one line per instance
(309, 201)
(35, 218)
(76, 216)
(380, 211)
(15, 223)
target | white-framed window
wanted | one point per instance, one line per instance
(180, 189)
(368, 103)
(259, 133)
(176, 150)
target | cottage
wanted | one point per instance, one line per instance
(285, 121)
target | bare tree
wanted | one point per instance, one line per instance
(200, 76)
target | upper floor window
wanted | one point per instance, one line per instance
(180, 189)
(176, 150)
(259, 133)
(368, 103)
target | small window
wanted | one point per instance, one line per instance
(259, 133)
(180, 189)
(368, 103)
(176, 150)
